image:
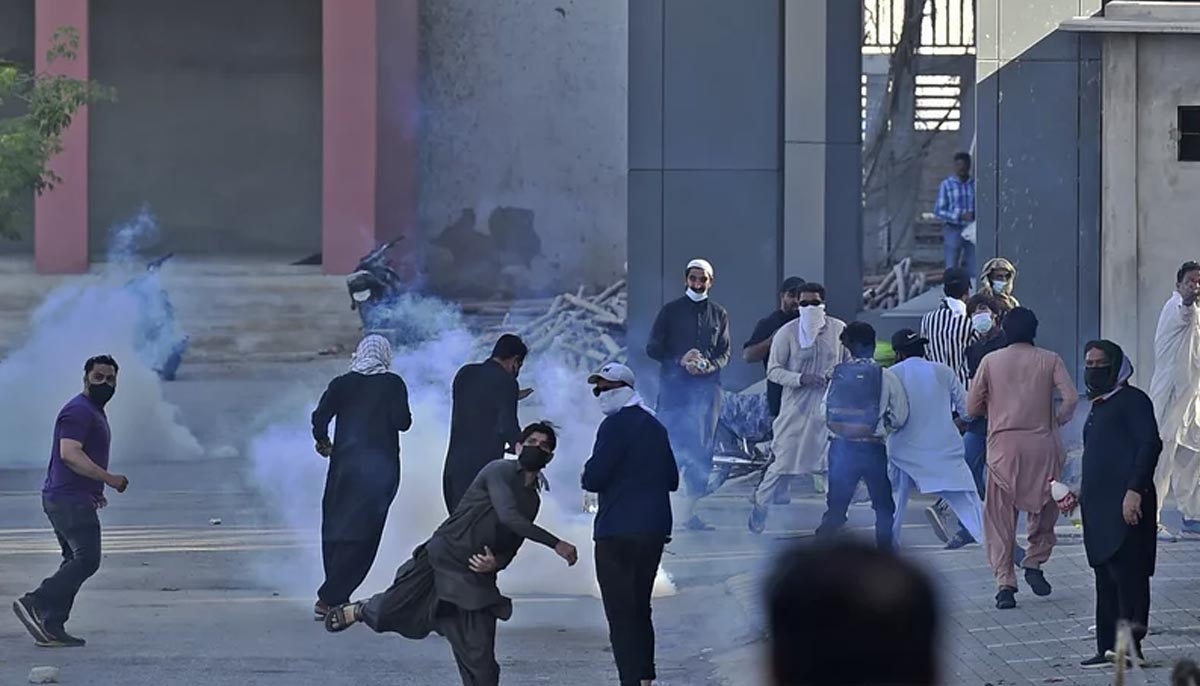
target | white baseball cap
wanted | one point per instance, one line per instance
(613, 371)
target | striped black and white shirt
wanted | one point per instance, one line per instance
(949, 334)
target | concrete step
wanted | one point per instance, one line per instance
(231, 309)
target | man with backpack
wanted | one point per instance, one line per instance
(863, 404)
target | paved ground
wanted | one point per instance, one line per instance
(180, 601)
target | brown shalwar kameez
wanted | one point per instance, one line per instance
(1014, 388)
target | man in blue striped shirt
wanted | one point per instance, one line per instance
(956, 208)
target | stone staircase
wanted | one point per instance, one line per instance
(232, 309)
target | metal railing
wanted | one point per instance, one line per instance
(947, 26)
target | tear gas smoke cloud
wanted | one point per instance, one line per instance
(88, 316)
(291, 476)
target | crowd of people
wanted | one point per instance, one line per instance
(970, 412)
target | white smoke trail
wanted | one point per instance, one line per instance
(291, 475)
(88, 316)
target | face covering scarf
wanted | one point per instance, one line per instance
(374, 356)
(696, 297)
(812, 320)
(614, 400)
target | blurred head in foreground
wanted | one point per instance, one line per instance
(844, 613)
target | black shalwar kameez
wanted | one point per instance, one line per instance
(364, 474)
(483, 422)
(436, 591)
(1121, 446)
(689, 406)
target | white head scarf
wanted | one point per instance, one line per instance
(374, 356)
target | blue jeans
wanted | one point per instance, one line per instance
(77, 527)
(959, 251)
(849, 463)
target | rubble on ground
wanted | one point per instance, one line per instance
(586, 331)
(43, 675)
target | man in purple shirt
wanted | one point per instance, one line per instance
(73, 491)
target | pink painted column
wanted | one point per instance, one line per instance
(60, 224)
(369, 73)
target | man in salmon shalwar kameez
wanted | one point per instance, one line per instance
(1014, 388)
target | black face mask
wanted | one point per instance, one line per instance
(100, 393)
(1099, 380)
(533, 458)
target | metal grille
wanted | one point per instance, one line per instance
(938, 102)
(938, 107)
(947, 27)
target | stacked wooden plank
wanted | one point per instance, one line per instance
(902, 283)
(586, 331)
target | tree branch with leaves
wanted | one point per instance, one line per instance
(29, 141)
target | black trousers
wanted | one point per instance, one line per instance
(77, 527)
(346, 565)
(626, 568)
(472, 638)
(1122, 594)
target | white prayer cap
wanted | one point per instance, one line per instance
(700, 264)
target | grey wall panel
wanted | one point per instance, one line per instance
(843, 236)
(722, 84)
(1038, 224)
(645, 269)
(217, 126)
(1089, 202)
(1028, 29)
(645, 84)
(730, 218)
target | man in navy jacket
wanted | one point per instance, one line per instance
(634, 472)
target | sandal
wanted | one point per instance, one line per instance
(320, 610)
(342, 617)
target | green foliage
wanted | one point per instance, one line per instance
(28, 141)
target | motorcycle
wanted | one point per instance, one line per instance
(377, 292)
(743, 438)
(159, 342)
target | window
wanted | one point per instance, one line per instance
(1189, 133)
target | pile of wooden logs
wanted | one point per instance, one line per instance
(902, 283)
(585, 331)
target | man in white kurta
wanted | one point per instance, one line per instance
(927, 452)
(1175, 390)
(803, 355)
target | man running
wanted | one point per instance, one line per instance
(449, 585)
(71, 496)
(370, 405)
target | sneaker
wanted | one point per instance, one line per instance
(1006, 598)
(26, 611)
(1097, 662)
(960, 539)
(697, 524)
(59, 638)
(1190, 527)
(1037, 582)
(758, 519)
(1165, 535)
(937, 522)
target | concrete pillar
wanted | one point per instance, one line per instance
(822, 180)
(369, 56)
(60, 224)
(1119, 312)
